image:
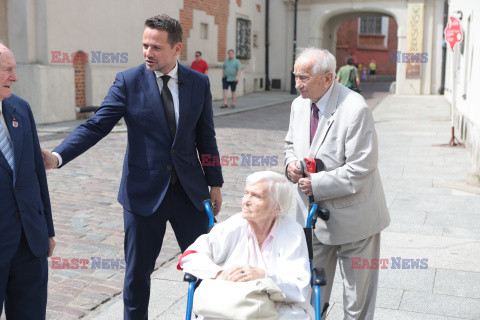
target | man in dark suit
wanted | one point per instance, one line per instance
(26, 225)
(168, 112)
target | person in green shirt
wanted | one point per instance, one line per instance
(230, 75)
(343, 75)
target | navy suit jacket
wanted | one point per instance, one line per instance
(151, 153)
(24, 199)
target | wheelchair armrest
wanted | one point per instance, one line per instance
(319, 277)
(189, 277)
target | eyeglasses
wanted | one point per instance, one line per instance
(197, 55)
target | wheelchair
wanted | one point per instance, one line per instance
(318, 278)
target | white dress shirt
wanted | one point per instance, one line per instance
(322, 103)
(3, 122)
(173, 86)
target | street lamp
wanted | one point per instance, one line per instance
(292, 82)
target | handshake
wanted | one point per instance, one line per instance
(50, 160)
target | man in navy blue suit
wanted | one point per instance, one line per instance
(168, 112)
(26, 225)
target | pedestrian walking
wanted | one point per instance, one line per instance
(231, 70)
(348, 76)
(373, 69)
(199, 64)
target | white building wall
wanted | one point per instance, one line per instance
(318, 22)
(36, 28)
(3, 22)
(281, 34)
(253, 69)
(464, 78)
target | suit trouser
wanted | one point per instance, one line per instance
(359, 284)
(143, 241)
(23, 284)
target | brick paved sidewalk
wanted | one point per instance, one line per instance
(87, 267)
(86, 270)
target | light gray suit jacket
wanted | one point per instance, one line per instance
(350, 187)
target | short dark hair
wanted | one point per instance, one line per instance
(231, 50)
(198, 52)
(349, 60)
(166, 23)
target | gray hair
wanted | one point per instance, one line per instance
(324, 60)
(278, 187)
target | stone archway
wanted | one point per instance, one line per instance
(367, 41)
(328, 25)
(319, 21)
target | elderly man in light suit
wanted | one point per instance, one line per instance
(334, 124)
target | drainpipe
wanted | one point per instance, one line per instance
(267, 44)
(292, 82)
(444, 48)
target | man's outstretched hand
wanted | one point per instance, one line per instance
(51, 246)
(216, 196)
(49, 159)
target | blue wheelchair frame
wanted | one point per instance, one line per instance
(192, 280)
(318, 275)
(318, 278)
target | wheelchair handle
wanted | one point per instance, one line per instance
(315, 213)
(311, 215)
(208, 207)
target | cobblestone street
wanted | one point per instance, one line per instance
(87, 267)
(434, 212)
(89, 220)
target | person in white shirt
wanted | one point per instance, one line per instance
(261, 241)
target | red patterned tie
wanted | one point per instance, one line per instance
(313, 122)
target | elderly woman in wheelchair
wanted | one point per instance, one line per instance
(261, 242)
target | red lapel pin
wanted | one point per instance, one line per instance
(14, 122)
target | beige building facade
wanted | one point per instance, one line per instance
(109, 32)
(420, 29)
(45, 35)
(463, 79)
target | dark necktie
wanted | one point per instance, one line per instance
(313, 122)
(167, 101)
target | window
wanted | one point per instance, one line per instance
(244, 31)
(203, 31)
(372, 25)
